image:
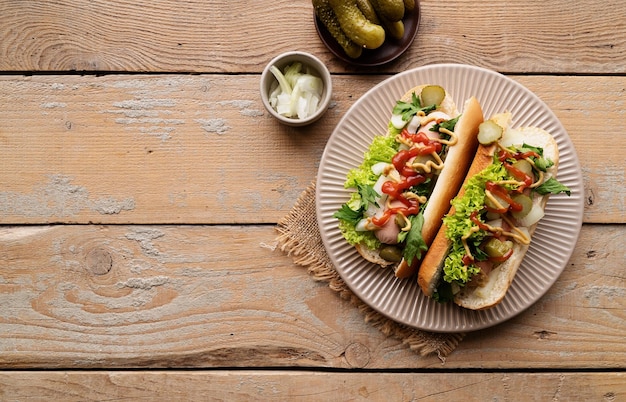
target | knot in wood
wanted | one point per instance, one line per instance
(99, 261)
(357, 355)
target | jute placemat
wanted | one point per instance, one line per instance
(299, 237)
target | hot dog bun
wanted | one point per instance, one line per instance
(431, 269)
(373, 256)
(403, 269)
(449, 179)
(494, 289)
(500, 279)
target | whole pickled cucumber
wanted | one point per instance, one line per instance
(327, 16)
(368, 10)
(354, 24)
(395, 29)
(409, 5)
(393, 10)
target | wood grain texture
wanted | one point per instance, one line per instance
(309, 386)
(176, 149)
(88, 296)
(137, 211)
(237, 36)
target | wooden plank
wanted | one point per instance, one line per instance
(87, 296)
(309, 386)
(175, 148)
(238, 36)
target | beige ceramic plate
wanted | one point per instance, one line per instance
(402, 300)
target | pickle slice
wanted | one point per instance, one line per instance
(391, 253)
(527, 204)
(496, 204)
(524, 166)
(327, 16)
(489, 132)
(432, 95)
(496, 248)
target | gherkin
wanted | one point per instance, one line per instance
(325, 13)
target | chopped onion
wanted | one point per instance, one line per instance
(361, 226)
(414, 124)
(379, 168)
(274, 92)
(534, 215)
(297, 94)
(283, 105)
(378, 187)
(378, 209)
(373, 210)
(397, 121)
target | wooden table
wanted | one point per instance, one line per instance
(141, 182)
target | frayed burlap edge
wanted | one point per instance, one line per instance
(299, 237)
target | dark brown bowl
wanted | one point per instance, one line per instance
(390, 50)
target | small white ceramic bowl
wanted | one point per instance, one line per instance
(307, 60)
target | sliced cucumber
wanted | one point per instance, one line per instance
(489, 132)
(432, 95)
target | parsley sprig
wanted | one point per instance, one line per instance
(410, 109)
(367, 196)
(415, 245)
(446, 124)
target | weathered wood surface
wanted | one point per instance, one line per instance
(176, 149)
(187, 296)
(137, 210)
(310, 386)
(237, 36)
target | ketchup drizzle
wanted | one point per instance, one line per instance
(505, 154)
(410, 177)
(520, 176)
(503, 194)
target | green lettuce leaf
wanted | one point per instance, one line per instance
(361, 179)
(552, 186)
(415, 244)
(382, 149)
(348, 214)
(459, 224)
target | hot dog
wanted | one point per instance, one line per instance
(487, 231)
(403, 188)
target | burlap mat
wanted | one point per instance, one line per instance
(300, 238)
